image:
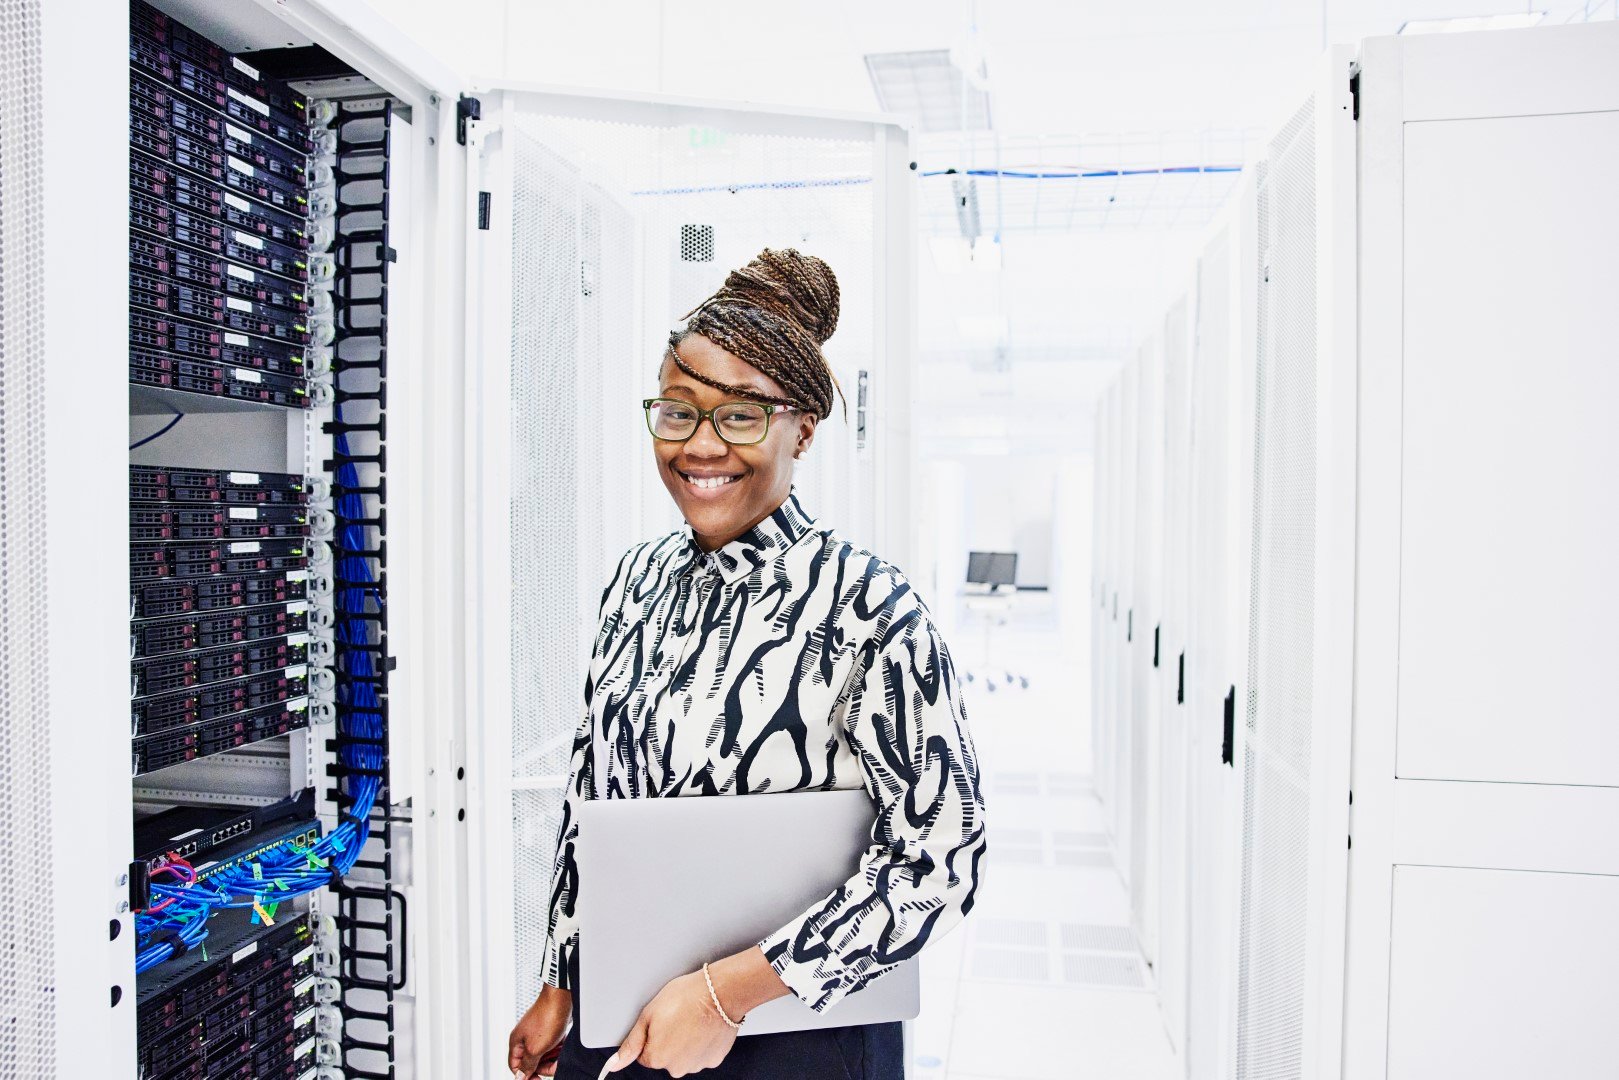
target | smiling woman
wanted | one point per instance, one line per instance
(753, 651)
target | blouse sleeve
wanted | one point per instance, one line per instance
(917, 880)
(562, 929)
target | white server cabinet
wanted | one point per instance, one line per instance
(605, 226)
(1145, 616)
(1484, 873)
(1293, 768)
(1121, 825)
(1101, 587)
(1220, 526)
(1169, 662)
(575, 230)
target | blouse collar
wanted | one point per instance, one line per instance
(757, 547)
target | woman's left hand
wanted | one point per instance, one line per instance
(678, 1031)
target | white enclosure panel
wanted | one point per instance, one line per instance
(1119, 818)
(1146, 608)
(1444, 138)
(1276, 766)
(1499, 975)
(1508, 500)
(1174, 737)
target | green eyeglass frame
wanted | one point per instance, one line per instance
(648, 404)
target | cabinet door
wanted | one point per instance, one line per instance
(600, 223)
(1486, 761)
(1294, 722)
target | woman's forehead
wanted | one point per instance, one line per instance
(708, 359)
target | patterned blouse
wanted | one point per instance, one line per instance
(787, 660)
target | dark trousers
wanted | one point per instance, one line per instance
(867, 1052)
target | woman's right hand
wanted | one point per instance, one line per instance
(536, 1040)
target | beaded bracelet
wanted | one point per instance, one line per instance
(715, 998)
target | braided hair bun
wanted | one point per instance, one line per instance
(774, 313)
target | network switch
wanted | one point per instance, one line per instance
(168, 636)
(169, 598)
(204, 739)
(187, 832)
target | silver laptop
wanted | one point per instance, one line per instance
(665, 884)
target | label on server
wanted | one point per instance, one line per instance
(297, 671)
(244, 67)
(236, 304)
(297, 575)
(243, 953)
(238, 339)
(237, 133)
(238, 272)
(242, 167)
(245, 547)
(244, 375)
(248, 240)
(244, 513)
(241, 477)
(237, 202)
(257, 106)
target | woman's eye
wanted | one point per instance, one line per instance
(675, 412)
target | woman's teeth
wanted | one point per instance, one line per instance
(706, 482)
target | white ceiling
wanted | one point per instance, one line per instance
(1078, 76)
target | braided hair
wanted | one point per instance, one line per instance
(774, 313)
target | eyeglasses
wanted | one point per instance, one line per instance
(740, 423)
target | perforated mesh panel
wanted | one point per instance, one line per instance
(1208, 654)
(618, 230)
(1275, 790)
(27, 1005)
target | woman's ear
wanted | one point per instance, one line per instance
(805, 433)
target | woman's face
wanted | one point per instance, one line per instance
(753, 480)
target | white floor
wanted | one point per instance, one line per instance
(1044, 981)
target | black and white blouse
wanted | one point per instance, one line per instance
(787, 660)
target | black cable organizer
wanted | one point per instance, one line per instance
(372, 915)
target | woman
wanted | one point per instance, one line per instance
(755, 650)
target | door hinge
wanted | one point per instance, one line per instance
(466, 108)
(1180, 680)
(483, 210)
(1155, 644)
(1354, 91)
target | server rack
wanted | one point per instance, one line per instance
(219, 307)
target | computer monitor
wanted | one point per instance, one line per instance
(992, 568)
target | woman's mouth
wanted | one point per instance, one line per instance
(707, 483)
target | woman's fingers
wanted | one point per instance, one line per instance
(629, 1049)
